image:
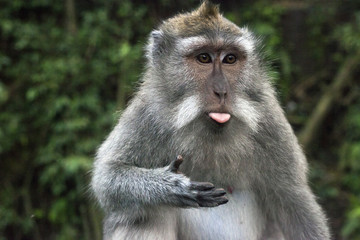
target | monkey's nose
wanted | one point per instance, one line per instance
(221, 94)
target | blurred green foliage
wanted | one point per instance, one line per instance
(67, 68)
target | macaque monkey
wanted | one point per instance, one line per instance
(203, 150)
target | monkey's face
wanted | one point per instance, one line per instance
(217, 74)
(207, 69)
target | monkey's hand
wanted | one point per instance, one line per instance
(193, 194)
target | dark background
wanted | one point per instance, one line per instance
(67, 68)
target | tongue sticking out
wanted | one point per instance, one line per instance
(220, 117)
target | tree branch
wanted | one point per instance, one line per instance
(70, 14)
(309, 132)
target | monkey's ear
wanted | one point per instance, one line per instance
(156, 45)
(156, 35)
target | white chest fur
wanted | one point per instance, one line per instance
(239, 219)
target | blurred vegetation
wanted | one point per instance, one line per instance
(68, 67)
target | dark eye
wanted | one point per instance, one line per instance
(229, 59)
(204, 58)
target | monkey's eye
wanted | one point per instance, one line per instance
(204, 58)
(229, 59)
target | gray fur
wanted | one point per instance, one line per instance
(256, 154)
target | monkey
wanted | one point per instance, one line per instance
(203, 150)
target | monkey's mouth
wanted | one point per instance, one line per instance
(220, 118)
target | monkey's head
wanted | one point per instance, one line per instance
(206, 68)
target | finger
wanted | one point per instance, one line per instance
(213, 202)
(219, 192)
(201, 186)
(208, 204)
(222, 200)
(174, 165)
(187, 200)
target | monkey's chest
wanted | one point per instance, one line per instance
(240, 218)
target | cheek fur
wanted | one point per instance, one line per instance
(247, 112)
(186, 111)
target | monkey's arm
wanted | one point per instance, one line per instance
(289, 201)
(120, 186)
(297, 213)
(283, 183)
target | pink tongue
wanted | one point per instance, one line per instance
(220, 117)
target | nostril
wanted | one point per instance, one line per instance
(220, 94)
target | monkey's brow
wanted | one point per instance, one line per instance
(188, 45)
(191, 42)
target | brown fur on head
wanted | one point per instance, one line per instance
(200, 21)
